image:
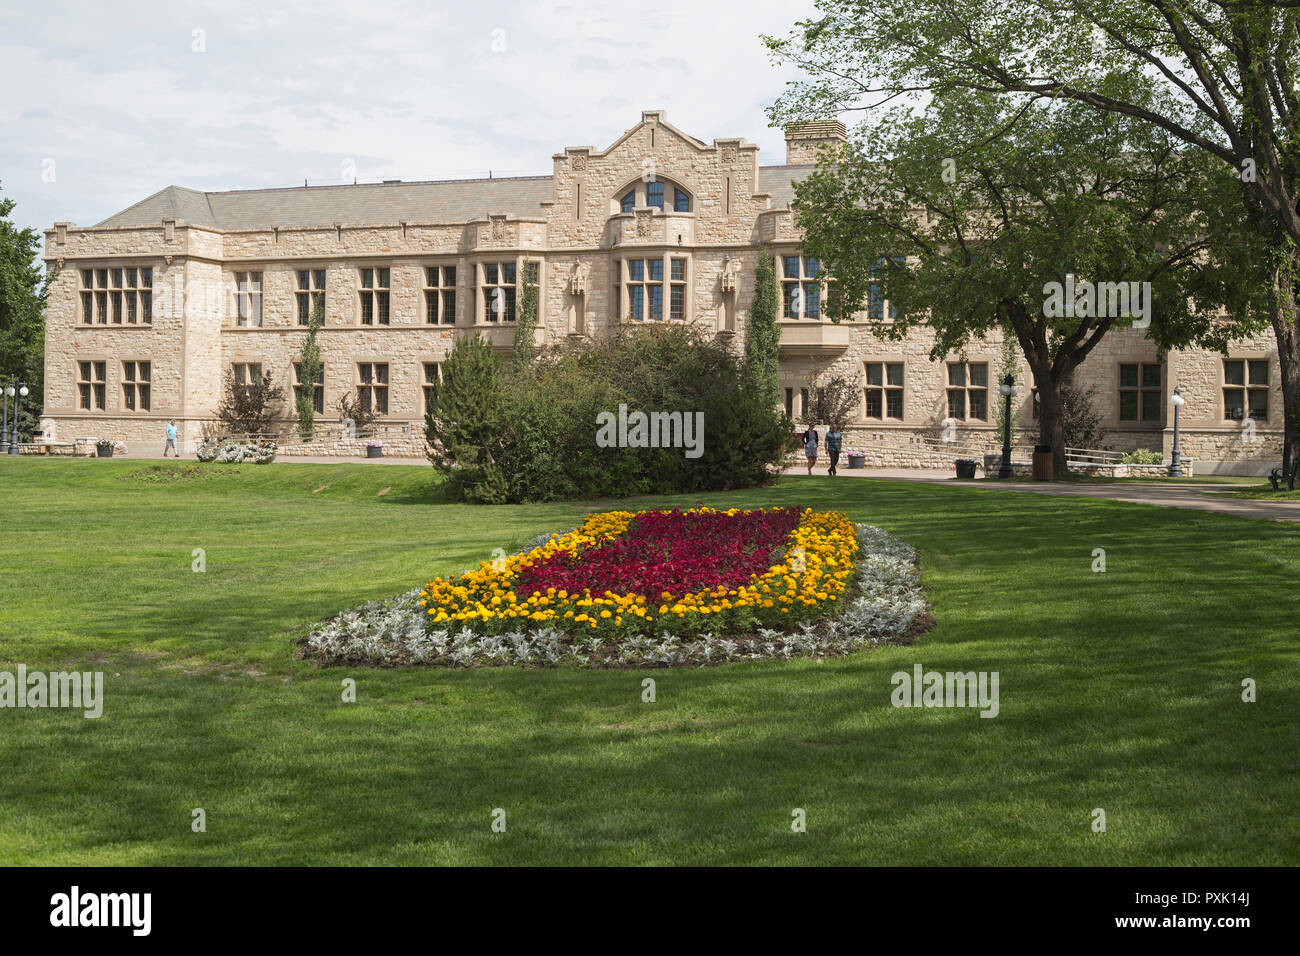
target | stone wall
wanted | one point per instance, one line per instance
(579, 238)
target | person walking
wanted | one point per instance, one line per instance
(171, 440)
(834, 438)
(810, 442)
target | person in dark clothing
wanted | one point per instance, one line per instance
(810, 442)
(834, 438)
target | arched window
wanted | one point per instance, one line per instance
(656, 194)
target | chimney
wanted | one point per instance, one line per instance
(803, 140)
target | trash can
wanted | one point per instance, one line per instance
(965, 467)
(1043, 470)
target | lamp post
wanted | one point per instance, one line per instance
(4, 423)
(18, 401)
(1176, 459)
(1008, 390)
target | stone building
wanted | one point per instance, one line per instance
(154, 305)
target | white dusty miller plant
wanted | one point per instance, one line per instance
(887, 605)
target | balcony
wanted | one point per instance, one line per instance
(811, 339)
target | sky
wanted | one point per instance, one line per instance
(105, 103)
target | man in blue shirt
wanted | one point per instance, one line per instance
(834, 438)
(171, 440)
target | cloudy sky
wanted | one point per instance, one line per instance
(107, 103)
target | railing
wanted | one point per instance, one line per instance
(956, 448)
(1092, 456)
(287, 433)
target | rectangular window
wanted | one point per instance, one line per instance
(654, 195)
(884, 391)
(440, 295)
(248, 299)
(876, 291)
(135, 386)
(317, 391)
(789, 402)
(432, 376)
(801, 287)
(117, 296)
(374, 296)
(968, 391)
(498, 291)
(1245, 389)
(372, 386)
(311, 294)
(1140, 395)
(640, 284)
(803, 401)
(246, 374)
(91, 385)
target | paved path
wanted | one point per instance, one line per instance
(1195, 496)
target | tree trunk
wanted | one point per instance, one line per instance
(1282, 312)
(1051, 423)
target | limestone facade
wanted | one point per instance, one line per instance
(609, 235)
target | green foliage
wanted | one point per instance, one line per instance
(762, 334)
(466, 422)
(309, 362)
(525, 318)
(531, 435)
(1144, 456)
(23, 290)
(1080, 421)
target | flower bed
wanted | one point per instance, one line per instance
(662, 572)
(652, 588)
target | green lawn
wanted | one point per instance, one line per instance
(1118, 690)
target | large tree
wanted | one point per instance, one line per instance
(1227, 72)
(973, 217)
(23, 290)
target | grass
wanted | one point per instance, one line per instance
(1262, 492)
(1119, 690)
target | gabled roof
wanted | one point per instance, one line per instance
(375, 204)
(370, 204)
(779, 181)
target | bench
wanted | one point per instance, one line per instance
(1276, 476)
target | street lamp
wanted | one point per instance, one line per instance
(1008, 390)
(4, 423)
(1176, 459)
(22, 393)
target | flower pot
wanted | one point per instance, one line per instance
(965, 467)
(857, 461)
(374, 452)
(104, 451)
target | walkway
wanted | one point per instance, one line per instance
(1194, 496)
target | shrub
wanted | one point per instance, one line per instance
(1144, 456)
(529, 434)
(249, 408)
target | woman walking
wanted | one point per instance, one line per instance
(810, 441)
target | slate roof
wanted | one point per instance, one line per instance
(371, 204)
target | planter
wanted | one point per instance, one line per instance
(104, 451)
(373, 451)
(965, 467)
(1043, 470)
(857, 461)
